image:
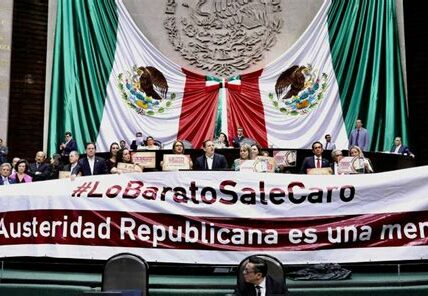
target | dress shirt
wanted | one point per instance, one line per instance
(210, 160)
(397, 148)
(72, 166)
(91, 161)
(262, 286)
(318, 164)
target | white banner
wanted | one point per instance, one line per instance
(220, 217)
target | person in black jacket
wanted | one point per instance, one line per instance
(257, 281)
(210, 160)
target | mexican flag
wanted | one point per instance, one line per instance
(109, 82)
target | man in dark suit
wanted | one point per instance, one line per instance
(5, 169)
(399, 148)
(210, 160)
(315, 161)
(91, 164)
(68, 146)
(236, 141)
(257, 281)
(39, 170)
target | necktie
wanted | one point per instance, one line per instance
(258, 290)
(326, 145)
(356, 139)
(318, 162)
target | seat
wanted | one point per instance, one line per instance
(275, 269)
(126, 271)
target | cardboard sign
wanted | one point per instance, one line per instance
(285, 158)
(320, 171)
(128, 167)
(64, 174)
(265, 164)
(175, 162)
(146, 159)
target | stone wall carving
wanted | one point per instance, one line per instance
(223, 37)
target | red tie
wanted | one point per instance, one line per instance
(318, 163)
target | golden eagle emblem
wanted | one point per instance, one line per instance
(145, 89)
(299, 89)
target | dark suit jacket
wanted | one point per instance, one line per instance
(99, 167)
(72, 145)
(11, 181)
(236, 142)
(403, 149)
(41, 173)
(272, 288)
(309, 163)
(219, 162)
(75, 171)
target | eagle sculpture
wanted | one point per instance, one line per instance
(150, 79)
(292, 79)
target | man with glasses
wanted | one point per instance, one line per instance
(257, 281)
(315, 161)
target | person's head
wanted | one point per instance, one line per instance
(138, 135)
(40, 157)
(222, 138)
(5, 169)
(265, 153)
(124, 155)
(178, 147)
(240, 131)
(15, 160)
(255, 270)
(356, 151)
(336, 155)
(1, 142)
(245, 151)
(68, 136)
(317, 148)
(90, 149)
(150, 141)
(327, 138)
(122, 144)
(208, 147)
(358, 123)
(114, 147)
(256, 150)
(21, 167)
(397, 141)
(73, 157)
(55, 159)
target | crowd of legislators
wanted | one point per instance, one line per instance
(68, 159)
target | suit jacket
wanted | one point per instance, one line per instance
(11, 181)
(272, 288)
(40, 173)
(236, 142)
(71, 145)
(363, 139)
(99, 167)
(309, 163)
(402, 150)
(219, 162)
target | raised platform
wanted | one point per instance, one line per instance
(70, 280)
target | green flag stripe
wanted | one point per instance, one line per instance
(85, 44)
(366, 58)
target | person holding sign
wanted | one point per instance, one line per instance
(174, 161)
(362, 164)
(125, 164)
(244, 154)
